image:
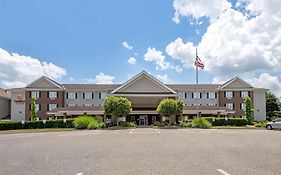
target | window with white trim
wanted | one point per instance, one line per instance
(211, 95)
(181, 95)
(88, 95)
(212, 104)
(35, 94)
(228, 94)
(53, 95)
(71, 95)
(244, 94)
(52, 106)
(229, 105)
(196, 95)
(243, 106)
(102, 95)
(37, 107)
(71, 105)
(88, 105)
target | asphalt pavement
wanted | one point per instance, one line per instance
(142, 151)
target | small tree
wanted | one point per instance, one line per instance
(170, 107)
(33, 109)
(249, 109)
(272, 105)
(117, 106)
(179, 107)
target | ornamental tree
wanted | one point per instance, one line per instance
(170, 107)
(33, 109)
(117, 106)
(272, 105)
(249, 109)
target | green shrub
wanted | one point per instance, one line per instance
(11, 125)
(128, 124)
(184, 123)
(96, 123)
(201, 123)
(88, 122)
(82, 122)
(37, 124)
(160, 124)
(237, 121)
(261, 123)
(230, 121)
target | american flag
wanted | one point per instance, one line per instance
(198, 63)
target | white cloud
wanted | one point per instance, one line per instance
(132, 60)
(126, 45)
(101, 78)
(195, 9)
(265, 80)
(184, 52)
(153, 55)
(164, 78)
(19, 70)
(244, 43)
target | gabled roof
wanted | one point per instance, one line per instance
(150, 78)
(37, 81)
(230, 82)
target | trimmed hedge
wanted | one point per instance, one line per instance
(229, 121)
(37, 124)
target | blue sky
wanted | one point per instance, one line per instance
(75, 41)
(85, 37)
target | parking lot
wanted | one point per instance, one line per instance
(142, 151)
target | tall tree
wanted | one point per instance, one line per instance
(170, 107)
(33, 109)
(249, 109)
(272, 105)
(116, 107)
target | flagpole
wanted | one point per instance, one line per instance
(197, 85)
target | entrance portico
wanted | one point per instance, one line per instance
(145, 92)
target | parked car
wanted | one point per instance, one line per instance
(274, 124)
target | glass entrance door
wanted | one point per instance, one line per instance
(143, 120)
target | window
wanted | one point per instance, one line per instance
(52, 106)
(71, 105)
(37, 107)
(181, 95)
(244, 94)
(212, 104)
(88, 95)
(243, 106)
(35, 94)
(229, 94)
(53, 95)
(196, 95)
(212, 95)
(87, 105)
(229, 105)
(101, 95)
(71, 95)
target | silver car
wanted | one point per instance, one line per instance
(274, 124)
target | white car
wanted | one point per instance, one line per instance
(274, 124)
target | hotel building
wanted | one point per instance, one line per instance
(54, 100)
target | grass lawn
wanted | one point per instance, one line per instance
(36, 130)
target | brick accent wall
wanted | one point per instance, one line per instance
(44, 100)
(236, 100)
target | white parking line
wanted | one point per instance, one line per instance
(223, 172)
(79, 173)
(132, 130)
(158, 130)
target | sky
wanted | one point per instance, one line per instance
(90, 41)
